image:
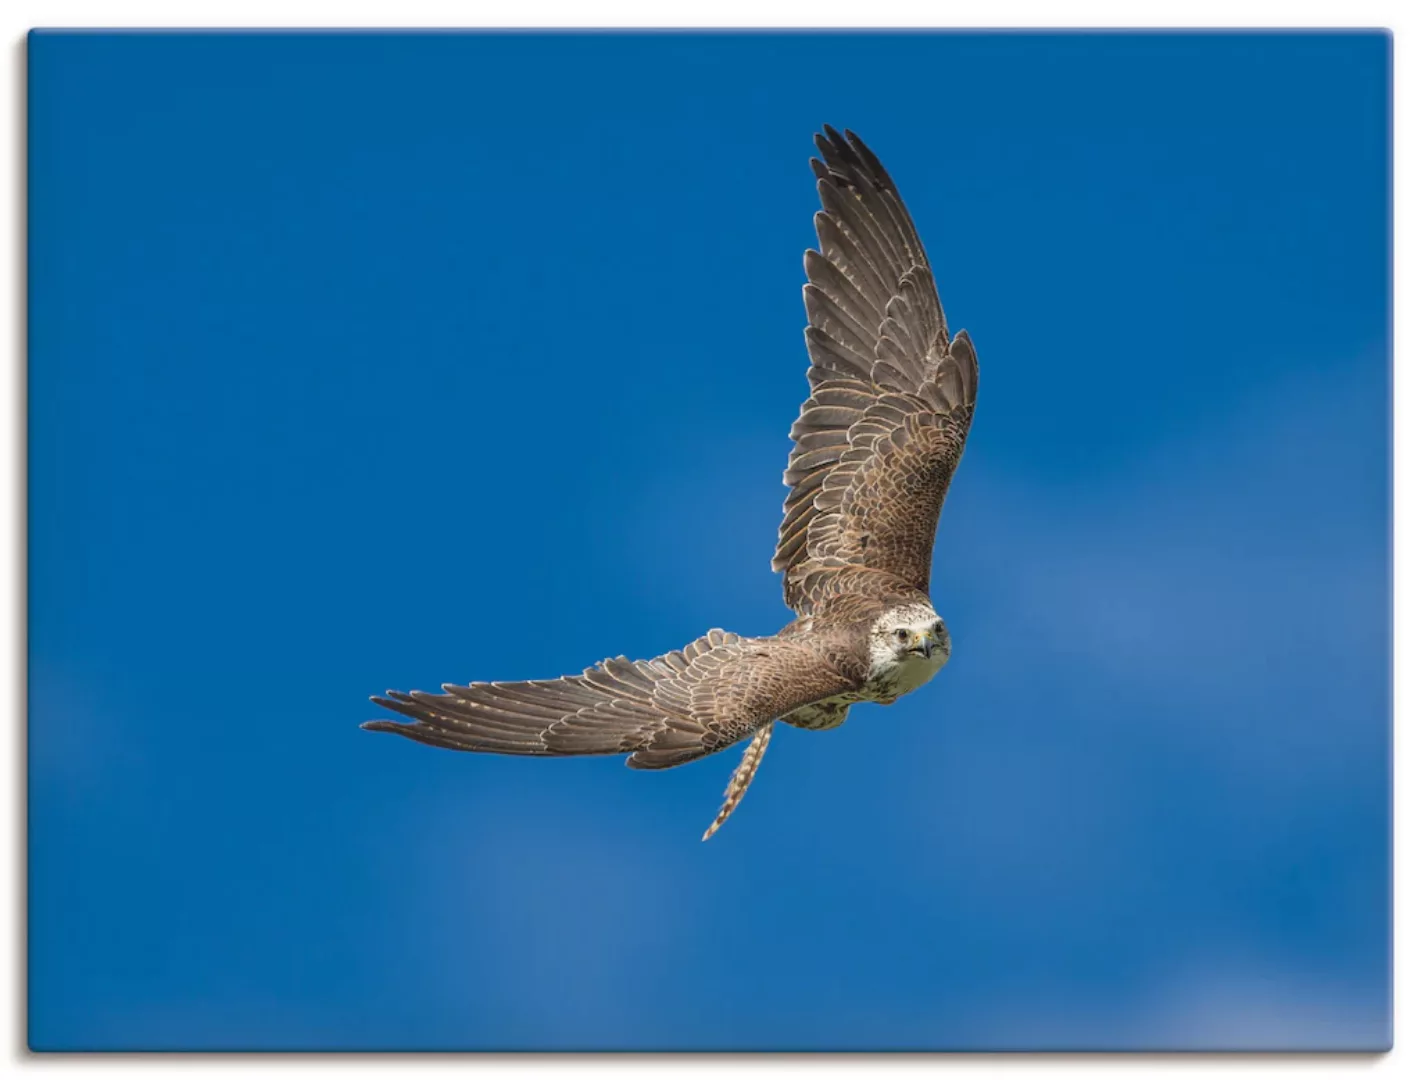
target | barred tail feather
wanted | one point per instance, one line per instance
(740, 779)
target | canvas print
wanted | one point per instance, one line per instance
(437, 385)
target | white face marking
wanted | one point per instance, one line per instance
(896, 644)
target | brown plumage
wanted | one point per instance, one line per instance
(891, 395)
(875, 448)
(663, 712)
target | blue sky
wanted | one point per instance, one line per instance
(384, 361)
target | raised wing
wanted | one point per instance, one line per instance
(663, 712)
(891, 396)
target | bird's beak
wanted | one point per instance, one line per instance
(924, 645)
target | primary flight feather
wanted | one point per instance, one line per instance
(875, 447)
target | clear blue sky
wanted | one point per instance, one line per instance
(366, 362)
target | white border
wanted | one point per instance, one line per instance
(712, 13)
(22, 15)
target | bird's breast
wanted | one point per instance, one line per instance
(903, 677)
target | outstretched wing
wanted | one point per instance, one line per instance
(891, 394)
(663, 712)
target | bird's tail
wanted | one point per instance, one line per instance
(740, 779)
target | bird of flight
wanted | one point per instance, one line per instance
(875, 446)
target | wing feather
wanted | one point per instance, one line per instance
(891, 395)
(666, 711)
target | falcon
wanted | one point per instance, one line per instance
(875, 447)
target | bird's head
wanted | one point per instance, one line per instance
(913, 632)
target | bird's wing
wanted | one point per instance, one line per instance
(663, 712)
(891, 395)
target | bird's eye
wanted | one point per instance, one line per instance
(938, 628)
(901, 634)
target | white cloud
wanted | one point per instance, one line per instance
(1233, 1003)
